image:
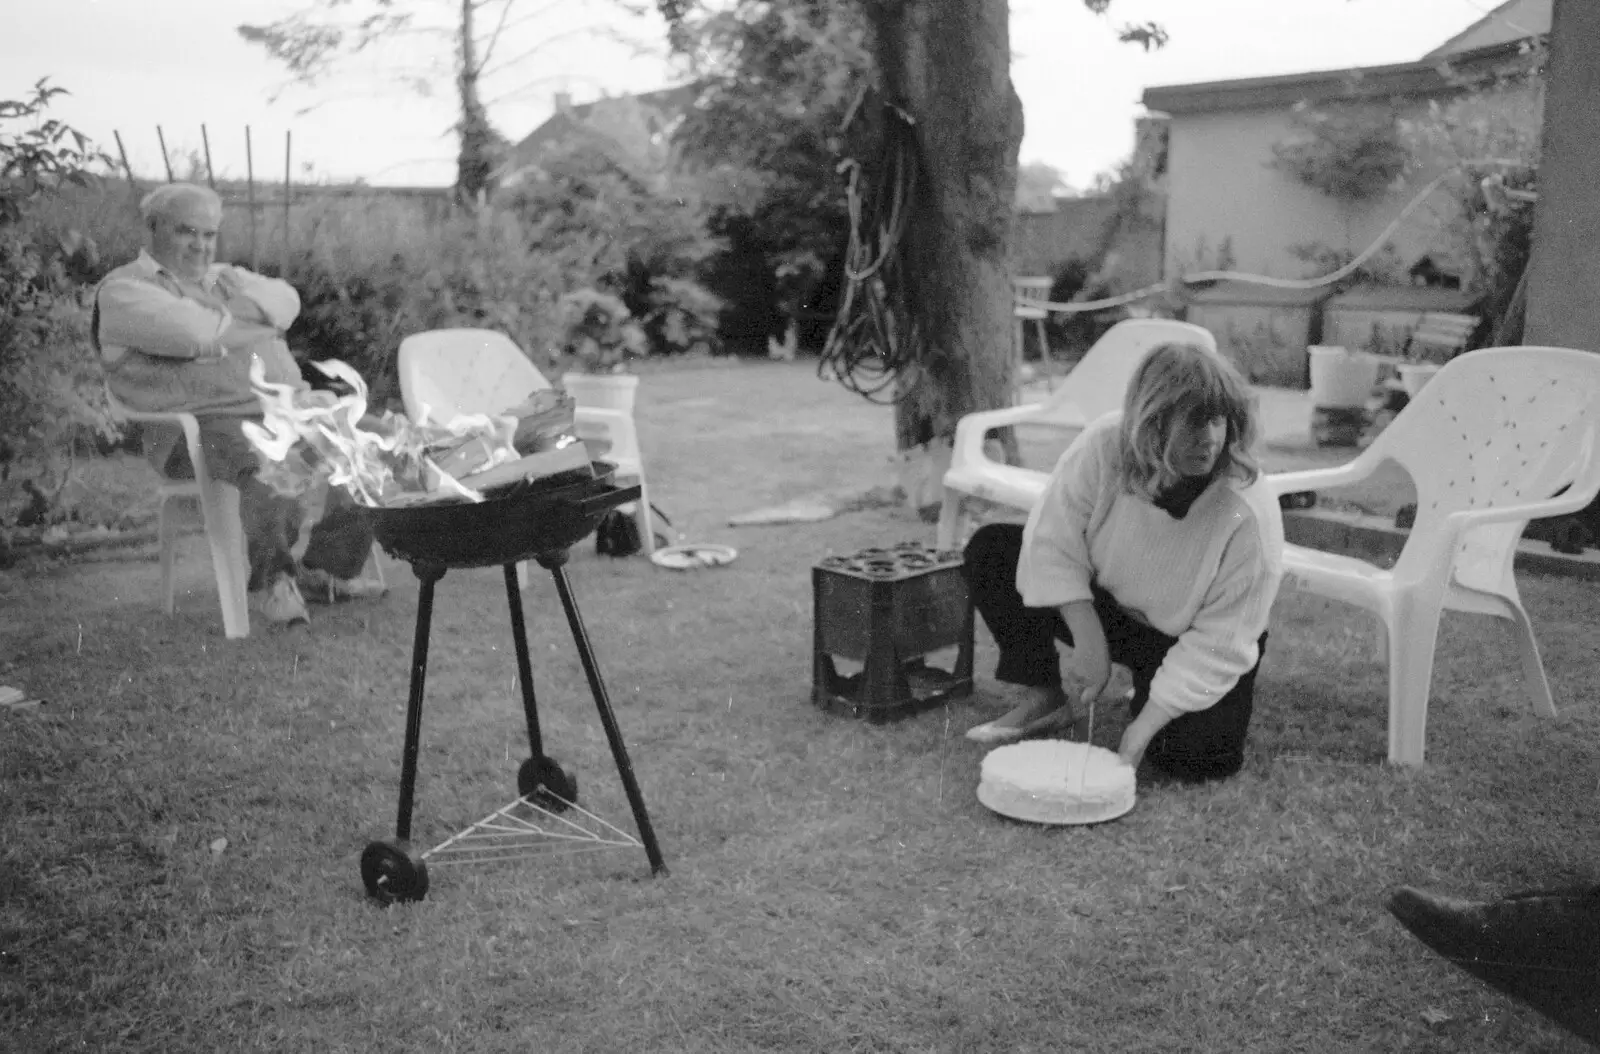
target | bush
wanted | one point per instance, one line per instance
(628, 226)
(598, 332)
(1490, 139)
(50, 389)
(1350, 153)
(375, 269)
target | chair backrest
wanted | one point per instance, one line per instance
(611, 436)
(464, 371)
(1493, 427)
(1032, 291)
(1098, 383)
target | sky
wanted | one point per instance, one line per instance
(134, 65)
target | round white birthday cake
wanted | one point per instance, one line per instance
(1054, 781)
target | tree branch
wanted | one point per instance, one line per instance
(494, 38)
(546, 42)
(532, 16)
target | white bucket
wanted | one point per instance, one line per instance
(1341, 378)
(604, 391)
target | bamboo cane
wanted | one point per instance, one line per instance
(211, 173)
(211, 179)
(250, 197)
(165, 160)
(286, 169)
(133, 184)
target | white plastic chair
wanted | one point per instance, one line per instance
(464, 371)
(1486, 443)
(219, 508)
(1095, 387)
(469, 371)
(613, 437)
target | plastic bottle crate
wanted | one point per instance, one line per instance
(888, 609)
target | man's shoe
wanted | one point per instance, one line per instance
(323, 588)
(281, 602)
(1542, 947)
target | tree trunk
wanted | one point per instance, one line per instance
(473, 163)
(1562, 307)
(948, 64)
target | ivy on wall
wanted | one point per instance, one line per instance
(1350, 153)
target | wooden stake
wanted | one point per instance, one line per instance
(165, 160)
(133, 184)
(250, 198)
(286, 155)
(211, 173)
(211, 180)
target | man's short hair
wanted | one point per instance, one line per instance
(166, 198)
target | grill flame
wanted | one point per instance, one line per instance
(309, 437)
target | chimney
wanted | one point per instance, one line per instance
(563, 101)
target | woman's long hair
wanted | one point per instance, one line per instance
(1175, 383)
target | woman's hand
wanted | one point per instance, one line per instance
(1091, 658)
(1136, 738)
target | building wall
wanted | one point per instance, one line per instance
(1222, 187)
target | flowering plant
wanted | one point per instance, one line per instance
(597, 332)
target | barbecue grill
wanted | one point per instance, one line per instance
(536, 520)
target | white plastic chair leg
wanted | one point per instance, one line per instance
(1019, 360)
(645, 518)
(375, 561)
(1044, 354)
(219, 504)
(1532, 666)
(952, 519)
(1413, 638)
(167, 538)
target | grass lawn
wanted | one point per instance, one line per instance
(834, 886)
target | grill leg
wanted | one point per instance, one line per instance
(519, 636)
(553, 562)
(428, 575)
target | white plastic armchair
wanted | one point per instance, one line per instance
(1487, 443)
(1095, 387)
(219, 508)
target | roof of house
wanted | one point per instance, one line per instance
(581, 120)
(1512, 20)
(1488, 44)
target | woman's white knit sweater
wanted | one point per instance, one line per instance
(1208, 578)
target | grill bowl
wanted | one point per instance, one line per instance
(513, 523)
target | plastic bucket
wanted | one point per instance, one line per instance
(1341, 378)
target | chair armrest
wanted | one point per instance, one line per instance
(1355, 471)
(967, 445)
(184, 420)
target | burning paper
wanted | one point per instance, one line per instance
(310, 437)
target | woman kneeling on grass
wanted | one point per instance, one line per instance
(1155, 545)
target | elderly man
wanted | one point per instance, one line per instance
(177, 331)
